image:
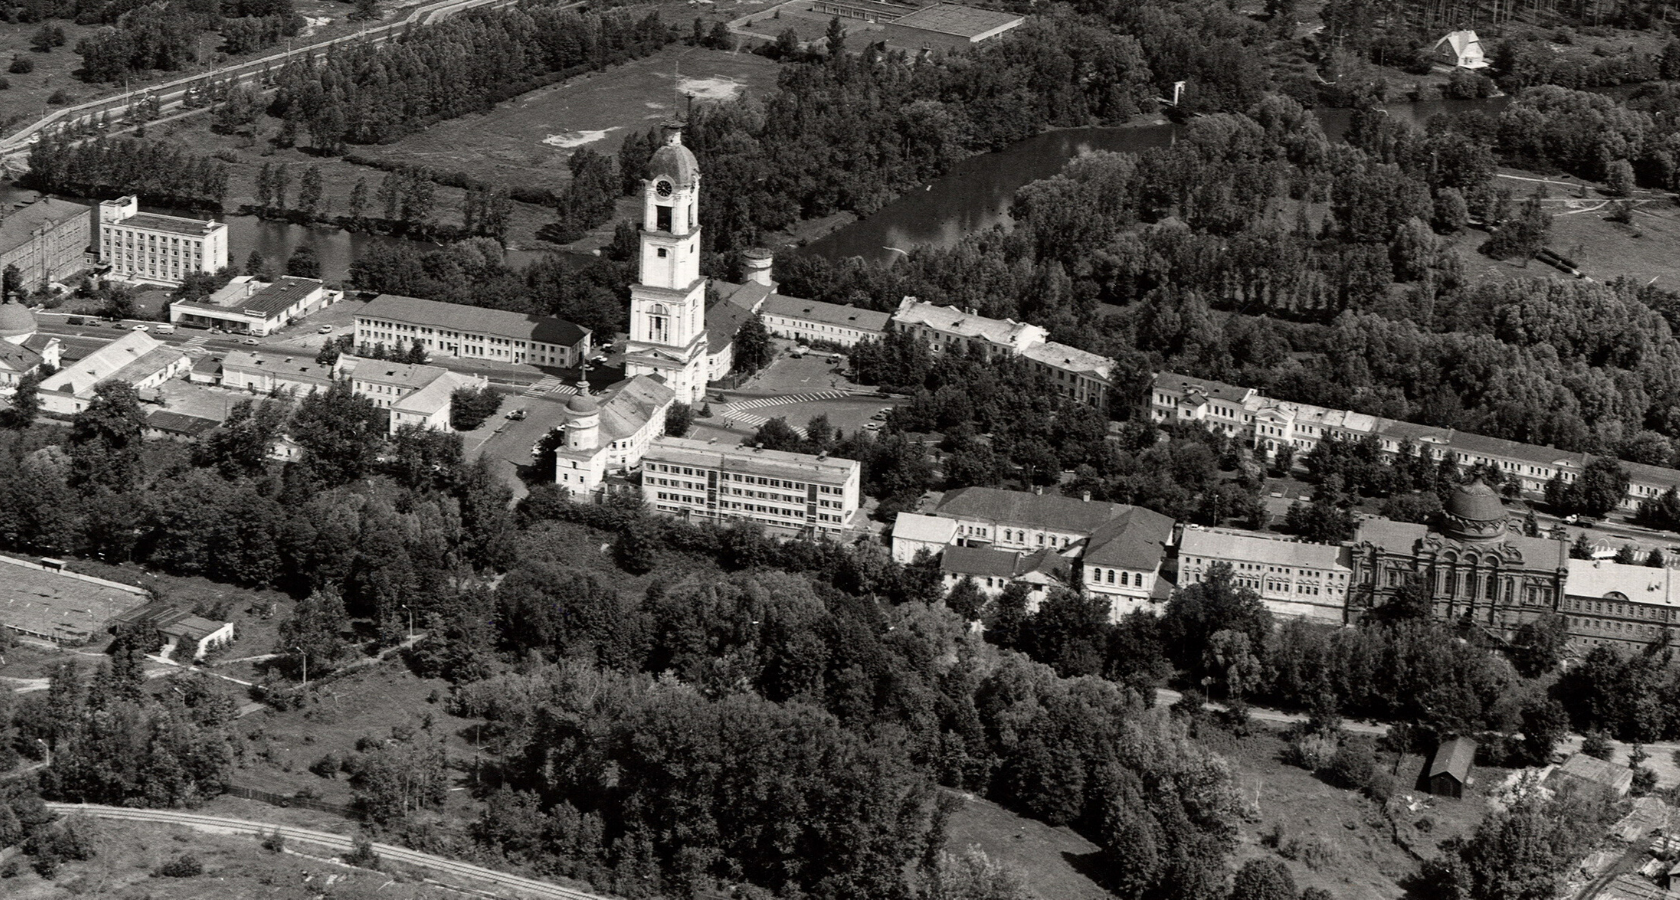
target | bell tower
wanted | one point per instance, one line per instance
(668, 300)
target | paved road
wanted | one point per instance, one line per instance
(171, 95)
(1165, 697)
(524, 887)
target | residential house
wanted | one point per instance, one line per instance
(1460, 49)
(1122, 560)
(913, 533)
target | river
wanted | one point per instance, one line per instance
(976, 194)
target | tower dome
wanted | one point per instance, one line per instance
(582, 404)
(673, 161)
(1474, 512)
(17, 323)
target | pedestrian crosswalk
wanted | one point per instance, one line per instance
(737, 412)
(549, 385)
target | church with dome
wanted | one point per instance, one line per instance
(22, 348)
(603, 435)
(1481, 570)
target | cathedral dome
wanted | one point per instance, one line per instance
(582, 405)
(16, 321)
(673, 161)
(1474, 512)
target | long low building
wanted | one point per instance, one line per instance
(470, 332)
(136, 358)
(812, 321)
(800, 492)
(1076, 374)
(1294, 579)
(270, 373)
(1270, 425)
(417, 395)
(248, 306)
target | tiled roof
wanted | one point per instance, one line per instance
(1027, 509)
(473, 319)
(106, 362)
(976, 561)
(630, 405)
(826, 313)
(179, 423)
(951, 320)
(1137, 539)
(1392, 536)
(22, 220)
(1070, 359)
(1220, 544)
(722, 321)
(17, 358)
(1213, 390)
(1454, 758)
(1597, 771)
(410, 376)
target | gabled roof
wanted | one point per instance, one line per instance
(1596, 771)
(17, 358)
(1136, 539)
(826, 313)
(1213, 390)
(1069, 359)
(1026, 509)
(1227, 545)
(631, 404)
(1453, 758)
(108, 361)
(951, 320)
(179, 423)
(979, 562)
(722, 321)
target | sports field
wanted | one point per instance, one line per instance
(526, 141)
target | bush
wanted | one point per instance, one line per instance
(1596, 744)
(274, 841)
(1644, 781)
(469, 408)
(184, 866)
(5, 83)
(21, 65)
(59, 98)
(1352, 766)
(361, 853)
(1313, 751)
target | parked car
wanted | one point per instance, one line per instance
(251, 341)
(872, 426)
(325, 329)
(517, 414)
(75, 320)
(165, 329)
(142, 327)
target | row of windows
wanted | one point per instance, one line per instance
(1127, 579)
(739, 478)
(1624, 627)
(1633, 610)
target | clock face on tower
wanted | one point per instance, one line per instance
(664, 188)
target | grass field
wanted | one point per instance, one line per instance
(526, 141)
(1047, 857)
(128, 854)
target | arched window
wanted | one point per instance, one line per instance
(659, 324)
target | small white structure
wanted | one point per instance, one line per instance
(1461, 49)
(912, 533)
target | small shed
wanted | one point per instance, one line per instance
(1449, 769)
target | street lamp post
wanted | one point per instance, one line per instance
(410, 621)
(304, 655)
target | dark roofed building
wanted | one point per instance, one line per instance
(471, 332)
(1583, 771)
(1023, 520)
(248, 306)
(1122, 560)
(163, 423)
(811, 321)
(1449, 768)
(995, 570)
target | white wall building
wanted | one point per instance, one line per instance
(136, 358)
(800, 492)
(155, 248)
(1079, 375)
(811, 321)
(470, 332)
(248, 306)
(1123, 558)
(1293, 578)
(414, 394)
(609, 434)
(913, 533)
(268, 373)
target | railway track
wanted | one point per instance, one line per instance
(520, 886)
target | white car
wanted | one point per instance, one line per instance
(325, 329)
(142, 328)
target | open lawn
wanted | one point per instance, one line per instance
(526, 141)
(128, 855)
(1054, 861)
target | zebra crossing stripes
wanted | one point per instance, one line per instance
(762, 402)
(548, 385)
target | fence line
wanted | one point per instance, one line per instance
(273, 799)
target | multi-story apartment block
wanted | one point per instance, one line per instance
(156, 248)
(800, 492)
(1082, 376)
(470, 332)
(1269, 425)
(1293, 578)
(47, 239)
